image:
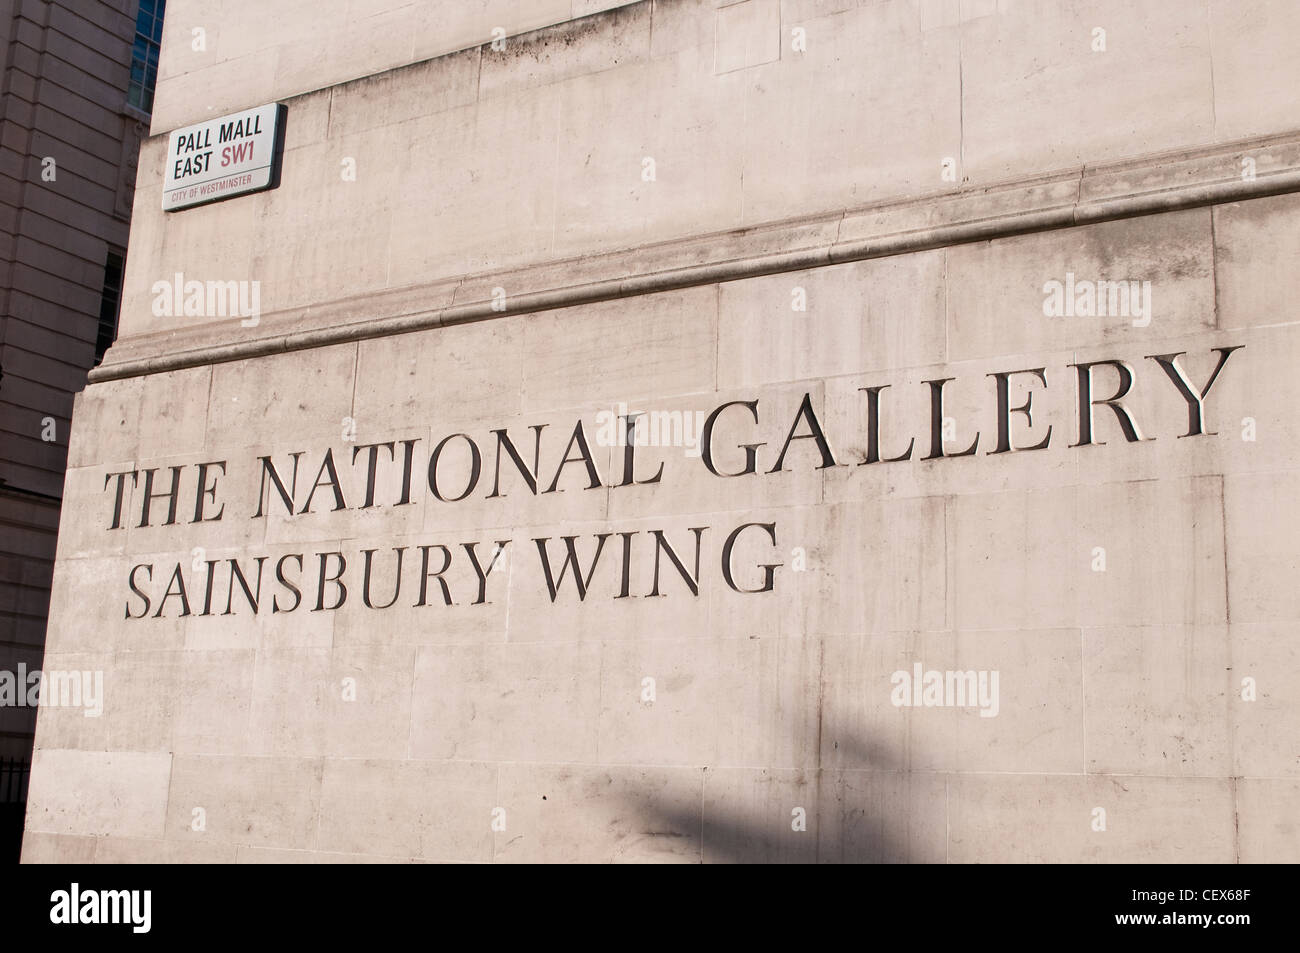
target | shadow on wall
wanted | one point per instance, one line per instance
(873, 812)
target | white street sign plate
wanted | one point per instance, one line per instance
(224, 157)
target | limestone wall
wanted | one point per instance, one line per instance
(1121, 582)
(482, 161)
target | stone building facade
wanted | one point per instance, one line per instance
(68, 151)
(955, 343)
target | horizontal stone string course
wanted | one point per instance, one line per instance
(998, 212)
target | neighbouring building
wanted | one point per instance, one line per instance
(691, 430)
(78, 80)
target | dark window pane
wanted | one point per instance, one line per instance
(109, 305)
(144, 54)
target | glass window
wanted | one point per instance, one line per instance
(144, 54)
(109, 303)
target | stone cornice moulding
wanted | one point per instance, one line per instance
(1150, 185)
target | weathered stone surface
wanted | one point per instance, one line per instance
(484, 158)
(869, 448)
